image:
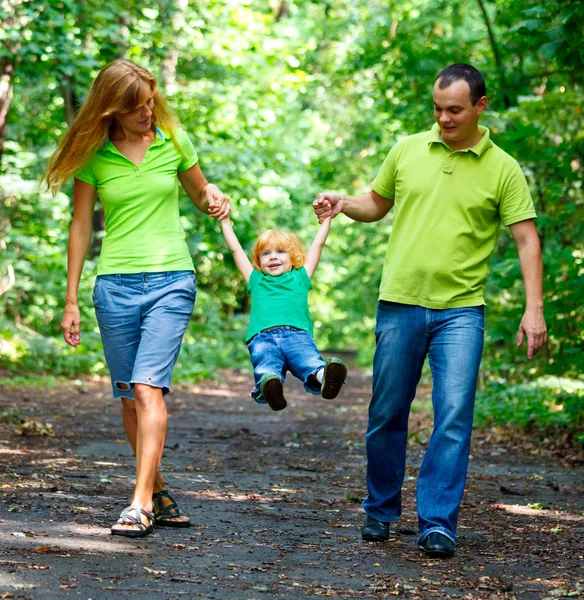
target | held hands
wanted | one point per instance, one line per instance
(533, 326)
(328, 204)
(70, 324)
(219, 203)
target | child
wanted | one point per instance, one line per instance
(279, 337)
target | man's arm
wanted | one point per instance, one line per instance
(532, 323)
(366, 208)
(313, 256)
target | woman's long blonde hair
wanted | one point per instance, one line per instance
(121, 87)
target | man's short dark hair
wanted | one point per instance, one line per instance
(472, 76)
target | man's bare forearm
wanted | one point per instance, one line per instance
(532, 271)
(366, 208)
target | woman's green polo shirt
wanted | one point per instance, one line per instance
(143, 232)
(448, 210)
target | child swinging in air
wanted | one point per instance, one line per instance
(279, 337)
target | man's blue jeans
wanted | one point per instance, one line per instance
(453, 340)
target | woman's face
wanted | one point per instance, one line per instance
(138, 120)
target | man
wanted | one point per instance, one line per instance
(451, 188)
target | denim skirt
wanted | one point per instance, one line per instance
(142, 318)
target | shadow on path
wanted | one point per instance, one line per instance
(274, 500)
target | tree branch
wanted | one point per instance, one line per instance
(498, 61)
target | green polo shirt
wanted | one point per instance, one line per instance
(447, 214)
(143, 232)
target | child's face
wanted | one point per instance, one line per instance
(275, 261)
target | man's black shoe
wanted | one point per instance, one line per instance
(374, 530)
(437, 545)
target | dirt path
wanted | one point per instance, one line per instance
(274, 502)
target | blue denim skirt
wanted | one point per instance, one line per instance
(142, 318)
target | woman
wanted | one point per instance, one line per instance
(126, 147)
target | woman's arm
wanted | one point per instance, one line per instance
(207, 197)
(79, 238)
(313, 256)
(241, 260)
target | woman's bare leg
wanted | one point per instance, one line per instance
(146, 432)
(130, 421)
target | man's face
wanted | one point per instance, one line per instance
(457, 117)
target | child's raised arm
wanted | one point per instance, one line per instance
(313, 256)
(241, 260)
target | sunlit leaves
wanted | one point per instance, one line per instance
(281, 107)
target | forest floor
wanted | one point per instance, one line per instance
(274, 500)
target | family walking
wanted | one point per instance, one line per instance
(451, 188)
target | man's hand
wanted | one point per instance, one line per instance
(329, 204)
(533, 326)
(70, 324)
(219, 203)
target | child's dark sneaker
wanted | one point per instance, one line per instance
(273, 392)
(335, 373)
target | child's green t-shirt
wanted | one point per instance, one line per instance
(280, 300)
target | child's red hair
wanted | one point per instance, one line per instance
(274, 238)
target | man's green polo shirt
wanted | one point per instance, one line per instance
(447, 213)
(142, 222)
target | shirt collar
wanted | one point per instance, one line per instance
(478, 149)
(159, 138)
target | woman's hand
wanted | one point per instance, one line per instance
(219, 203)
(70, 324)
(207, 197)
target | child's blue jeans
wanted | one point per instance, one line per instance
(283, 349)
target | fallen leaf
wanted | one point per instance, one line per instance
(153, 572)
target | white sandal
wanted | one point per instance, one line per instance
(134, 518)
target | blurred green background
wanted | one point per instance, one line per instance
(284, 99)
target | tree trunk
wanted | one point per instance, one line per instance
(168, 75)
(98, 225)
(70, 99)
(124, 35)
(282, 10)
(6, 71)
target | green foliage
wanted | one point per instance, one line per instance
(211, 343)
(280, 106)
(42, 382)
(549, 143)
(11, 416)
(543, 403)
